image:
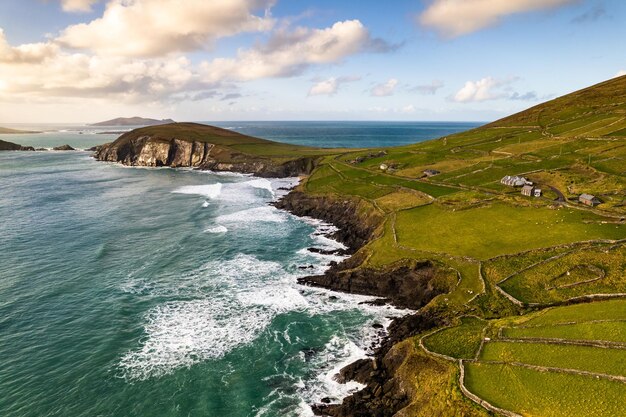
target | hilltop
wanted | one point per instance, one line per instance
(133, 121)
(521, 297)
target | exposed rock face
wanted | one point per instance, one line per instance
(157, 152)
(354, 232)
(404, 286)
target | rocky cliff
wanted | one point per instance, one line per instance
(159, 150)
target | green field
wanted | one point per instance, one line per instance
(605, 310)
(460, 342)
(498, 229)
(612, 331)
(534, 393)
(584, 358)
(599, 270)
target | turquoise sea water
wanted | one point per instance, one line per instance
(161, 292)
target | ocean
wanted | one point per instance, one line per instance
(171, 292)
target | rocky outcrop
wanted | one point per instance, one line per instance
(385, 392)
(354, 231)
(153, 151)
(63, 148)
(9, 146)
(411, 286)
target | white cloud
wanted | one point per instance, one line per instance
(620, 73)
(77, 5)
(144, 62)
(289, 53)
(26, 53)
(454, 18)
(149, 28)
(331, 86)
(385, 89)
(481, 90)
(408, 109)
(327, 87)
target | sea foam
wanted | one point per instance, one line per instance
(209, 190)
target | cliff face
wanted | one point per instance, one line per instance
(153, 151)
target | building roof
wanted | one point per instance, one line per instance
(586, 197)
(528, 187)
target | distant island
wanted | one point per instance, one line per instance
(7, 131)
(133, 121)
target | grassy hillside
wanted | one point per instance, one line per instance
(514, 254)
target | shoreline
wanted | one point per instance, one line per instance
(379, 395)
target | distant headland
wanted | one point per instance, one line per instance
(133, 121)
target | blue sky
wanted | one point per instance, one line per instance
(478, 60)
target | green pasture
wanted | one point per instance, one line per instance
(460, 342)
(583, 358)
(530, 392)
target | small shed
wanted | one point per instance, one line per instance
(537, 192)
(384, 167)
(431, 172)
(588, 200)
(528, 190)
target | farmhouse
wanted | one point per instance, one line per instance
(588, 200)
(431, 172)
(514, 181)
(528, 190)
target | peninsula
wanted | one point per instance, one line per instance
(507, 240)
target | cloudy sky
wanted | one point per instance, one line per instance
(472, 60)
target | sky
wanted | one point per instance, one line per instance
(78, 61)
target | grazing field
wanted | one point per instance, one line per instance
(460, 342)
(498, 229)
(535, 393)
(600, 270)
(583, 358)
(611, 310)
(610, 331)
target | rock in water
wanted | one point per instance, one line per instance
(63, 148)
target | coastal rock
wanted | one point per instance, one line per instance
(63, 148)
(353, 231)
(10, 146)
(405, 286)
